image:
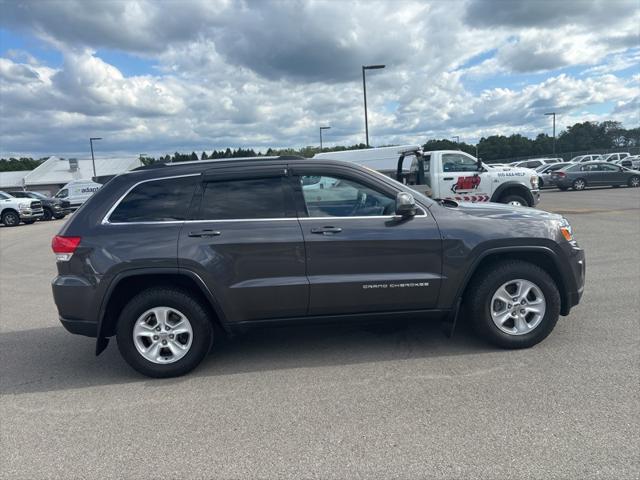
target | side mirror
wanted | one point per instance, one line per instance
(405, 205)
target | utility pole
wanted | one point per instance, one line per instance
(364, 89)
(93, 160)
(322, 128)
(554, 130)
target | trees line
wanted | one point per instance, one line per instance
(579, 137)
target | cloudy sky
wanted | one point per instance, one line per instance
(158, 76)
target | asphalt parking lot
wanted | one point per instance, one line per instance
(328, 402)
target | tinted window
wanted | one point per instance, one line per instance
(19, 195)
(339, 197)
(64, 193)
(605, 167)
(4, 196)
(245, 199)
(156, 201)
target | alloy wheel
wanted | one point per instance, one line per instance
(518, 307)
(162, 335)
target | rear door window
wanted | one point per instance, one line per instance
(156, 201)
(257, 198)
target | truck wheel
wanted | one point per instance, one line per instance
(47, 214)
(164, 332)
(10, 218)
(514, 200)
(579, 184)
(513, 304)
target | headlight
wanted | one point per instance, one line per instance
(23, 207)
(566, 230)
(534, 182)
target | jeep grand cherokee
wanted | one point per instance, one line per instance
(161, 255)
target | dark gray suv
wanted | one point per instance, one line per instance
(167, 258)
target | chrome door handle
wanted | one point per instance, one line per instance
(205, 233)
(326, 230)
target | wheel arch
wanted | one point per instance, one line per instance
(514, 188)
(543, 257)
(127, 284)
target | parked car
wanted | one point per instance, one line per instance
(534, 163)
(52, 207)
(586, 158)
(613, 157)
(635, 162)
(544, 172)
(77, 192)
(15, 210)
(447, 174)
(160, 256)
(594, 174)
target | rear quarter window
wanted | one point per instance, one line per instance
(156, 201)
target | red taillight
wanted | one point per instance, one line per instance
(64, 247)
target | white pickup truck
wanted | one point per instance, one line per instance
(448, 174)
(15, 210)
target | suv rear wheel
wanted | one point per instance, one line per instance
(515, 304)
(164, 332)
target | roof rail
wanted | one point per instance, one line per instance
(291, 157)
(150, 166)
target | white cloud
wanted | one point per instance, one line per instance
(260, 74)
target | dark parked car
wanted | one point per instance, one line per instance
(160, 256)
(52, 207)
(594, 174)
(545, 179)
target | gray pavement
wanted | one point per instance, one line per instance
(335, 402)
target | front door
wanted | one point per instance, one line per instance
(360, 258)
(460, 180)
(247, 245)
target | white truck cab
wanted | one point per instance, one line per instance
(448, 174)
(15, 210)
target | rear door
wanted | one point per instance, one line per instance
(247, 245)
(359, 257)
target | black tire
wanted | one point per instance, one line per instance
(480, 293)
(58, 217)
(10, 218)
(508, 199)
(28, 222)
(634, 181)
(169, 297)
(47, 214)
(579, 184)
(540, 183)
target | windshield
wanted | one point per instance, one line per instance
(37, 195)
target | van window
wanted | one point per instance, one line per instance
(64, 193)
(156, 201)
(245, 199)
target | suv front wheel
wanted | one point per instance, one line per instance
(514, 304)
(164, 332)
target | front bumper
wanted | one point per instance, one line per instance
(80, 327)
(578, 270)
(536, 197)
(31, 214)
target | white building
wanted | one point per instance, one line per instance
(55, 172)
(12, 180)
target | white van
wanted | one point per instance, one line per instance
(77, 192)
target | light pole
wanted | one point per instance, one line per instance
(322, 128)
(554, 130)
(364, 89)
(93, 160)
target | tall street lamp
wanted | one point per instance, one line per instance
(322, 128)
(93, 160)
(554, 130)
(364, 88)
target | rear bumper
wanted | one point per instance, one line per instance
(76, 300)
(80, 327)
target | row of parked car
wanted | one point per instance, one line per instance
(613, 169)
